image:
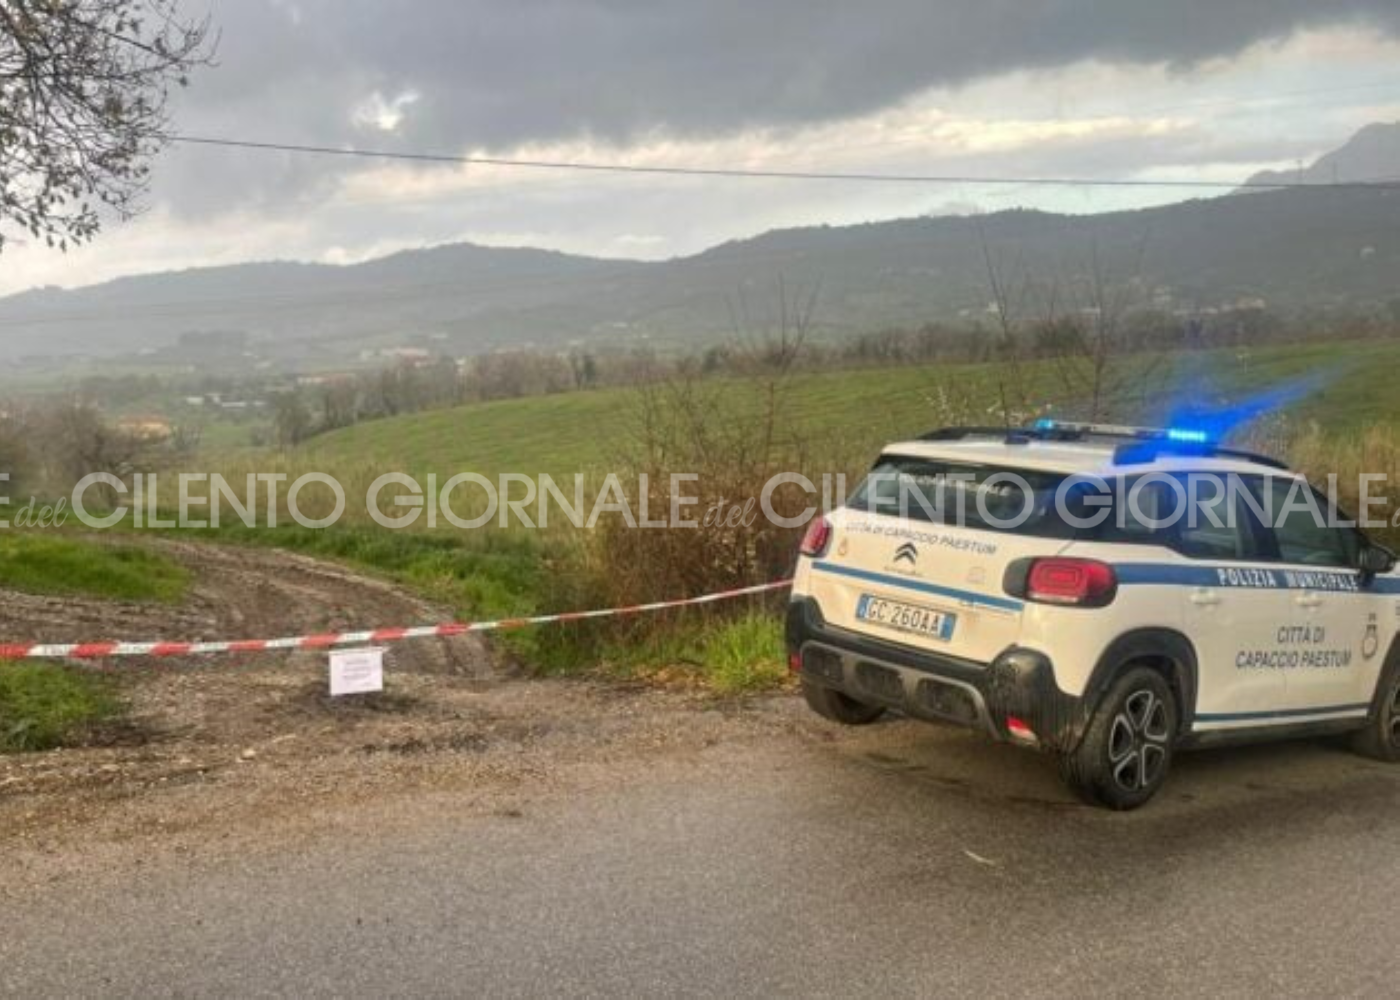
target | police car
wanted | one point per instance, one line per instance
(1107, 594)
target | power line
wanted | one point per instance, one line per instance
(785, 175)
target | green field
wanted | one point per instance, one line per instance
(849, 411)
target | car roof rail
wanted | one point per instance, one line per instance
(1039, 431)
(959, 433)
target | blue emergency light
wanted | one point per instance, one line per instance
(1175, 435)
(1185, 435)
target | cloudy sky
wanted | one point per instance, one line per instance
(1202, 89)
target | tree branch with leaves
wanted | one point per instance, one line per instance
(84, 86)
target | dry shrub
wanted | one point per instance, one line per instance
(47, 448)
(16, 458)
(1374, 451)
(1344, 456)
(732, 437)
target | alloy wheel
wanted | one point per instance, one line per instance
(1138, 741)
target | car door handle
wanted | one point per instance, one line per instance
(1204, 598)
(1306, 600)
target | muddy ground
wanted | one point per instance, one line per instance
(229, 741)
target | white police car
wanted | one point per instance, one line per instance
(1107, 594)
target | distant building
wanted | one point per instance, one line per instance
(400, 353)
(147, 428)
(329, 378)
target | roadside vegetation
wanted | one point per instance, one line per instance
(45, 705)
(49, 563)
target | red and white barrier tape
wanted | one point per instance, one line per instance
(98, 650)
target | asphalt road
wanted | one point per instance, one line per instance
(901, 860)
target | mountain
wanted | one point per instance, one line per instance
(1293, 249)
(384, 300)
(1373, 154)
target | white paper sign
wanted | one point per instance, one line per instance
(357, 671)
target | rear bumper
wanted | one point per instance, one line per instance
(1019, 683)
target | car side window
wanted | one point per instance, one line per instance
(1299, 535)
(1124, 522)
(1215, 525)
(1181, 520)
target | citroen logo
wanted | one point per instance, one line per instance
(906, 553)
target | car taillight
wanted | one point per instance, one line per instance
(1072, 582)
(818, 536)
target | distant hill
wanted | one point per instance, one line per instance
(1373, 154)
(1290, 249)
(387, 300)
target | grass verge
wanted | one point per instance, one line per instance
(62, 565)
(44, 705)
(743, 654)
(746, 654)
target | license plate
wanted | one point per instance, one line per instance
(906, 617)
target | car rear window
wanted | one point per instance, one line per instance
(988, 497)
(1024, 502)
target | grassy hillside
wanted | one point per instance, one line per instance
(849, 412)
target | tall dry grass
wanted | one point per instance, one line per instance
(1374, 451)
(1335, 462)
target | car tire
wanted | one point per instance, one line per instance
(1126, 752)
(839, 707)
(1380, 740)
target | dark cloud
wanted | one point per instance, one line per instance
(491, 75)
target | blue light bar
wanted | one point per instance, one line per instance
(1184, 435)
(1044, 424)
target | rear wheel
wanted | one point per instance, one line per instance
(1127, 750)
(1381, 737)
(839, 707)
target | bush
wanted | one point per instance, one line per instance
(43, 705)
(16, 459)
(1319, 454)
(685, 426)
